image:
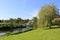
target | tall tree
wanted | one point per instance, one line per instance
(46, 15)
(34, 22)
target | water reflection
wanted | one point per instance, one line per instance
(16, 30)
(2, 33)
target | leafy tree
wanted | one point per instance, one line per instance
(34, 22)
(18, 20)
(46, 15)
(56, 21)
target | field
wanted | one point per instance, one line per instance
(38, 34)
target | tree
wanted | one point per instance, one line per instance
(56, 21)
(18, 20)
(46, 15)
(12, 22)
(34, 22)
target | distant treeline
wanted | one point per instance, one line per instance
(14, 22)
(18, 22)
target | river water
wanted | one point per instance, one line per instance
(16, 30)
(2, 33)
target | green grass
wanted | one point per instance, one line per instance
(39, 34)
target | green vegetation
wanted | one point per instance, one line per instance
(38, 34)
(14, 22)
(34, 22)
(46, 15)
(56, 21)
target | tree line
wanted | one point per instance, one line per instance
(18, 22)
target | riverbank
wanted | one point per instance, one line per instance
(38, 34)
(16, 30)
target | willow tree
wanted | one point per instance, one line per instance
(46, 15)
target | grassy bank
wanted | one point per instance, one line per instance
(39, 34)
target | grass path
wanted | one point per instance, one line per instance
(39, 34)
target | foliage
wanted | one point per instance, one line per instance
(46, 15)
(13, 22)
(34, 22)
(56, 21)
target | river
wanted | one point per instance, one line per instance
(16, 30)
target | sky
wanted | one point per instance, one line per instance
(25, 9)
